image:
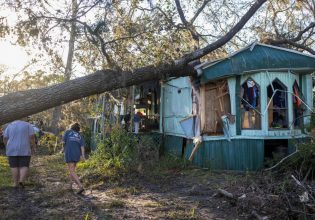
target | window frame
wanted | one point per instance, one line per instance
(257, 110)
(284, 89)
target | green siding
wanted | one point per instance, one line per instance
(239, 154)
(173, 144)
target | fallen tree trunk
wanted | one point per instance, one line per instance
(24, 103)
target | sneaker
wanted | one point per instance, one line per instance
(21, 185)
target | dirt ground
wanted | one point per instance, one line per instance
(179, 194)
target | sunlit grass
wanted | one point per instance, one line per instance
(5, 173)
(182, 214)
(117, 204)
(152, 204)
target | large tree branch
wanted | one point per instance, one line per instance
(294, 41)
(205, 2)
(300, 34)
(181, 13)
(187, 24)
(228, 36)
(95, 33)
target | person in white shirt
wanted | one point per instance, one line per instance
(19, 139)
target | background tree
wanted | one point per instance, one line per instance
(289, 24)
(68, 69)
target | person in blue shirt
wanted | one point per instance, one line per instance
(74, 151)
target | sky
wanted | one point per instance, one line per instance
(13, 57)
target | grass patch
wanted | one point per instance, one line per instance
(179, 214)
(152, 204)
(5, 173)
(167, 164)
(117, 204)
(124, 192)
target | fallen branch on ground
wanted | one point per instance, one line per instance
(281, 161)
(226, 193)
(254, 213)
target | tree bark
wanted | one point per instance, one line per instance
(21, 104)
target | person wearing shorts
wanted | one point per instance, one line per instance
(74, 151)
(19, 139)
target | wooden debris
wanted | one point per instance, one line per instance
(254, 213)
(194, 151)
(226, 193)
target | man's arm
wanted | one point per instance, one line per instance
(64, 141)
(5, 141)
(32, 142)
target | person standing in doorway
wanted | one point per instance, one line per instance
(137, 120)
(74, 151)
(19, 139)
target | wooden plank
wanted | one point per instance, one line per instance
(197, 145)
(222, 95)
(217, 103)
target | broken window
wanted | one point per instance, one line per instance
(250, 105)
(277, 105)
(297, 105)
(147, 97)
(215, 102)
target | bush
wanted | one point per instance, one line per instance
(51, 141)
(120, 153)
(87, 134)
(114, 155)
(303, 162)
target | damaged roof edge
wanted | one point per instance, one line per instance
(254, 58)
(251, 46)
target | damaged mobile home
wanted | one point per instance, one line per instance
(241, 109)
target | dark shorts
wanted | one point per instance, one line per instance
(19, 161)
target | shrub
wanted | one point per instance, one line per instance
(87, 134)
(51, 141)
(113, 155)
(302, 163)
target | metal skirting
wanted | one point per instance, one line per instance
(238, 154)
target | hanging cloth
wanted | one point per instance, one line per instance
(296, 90)
(250, 94)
